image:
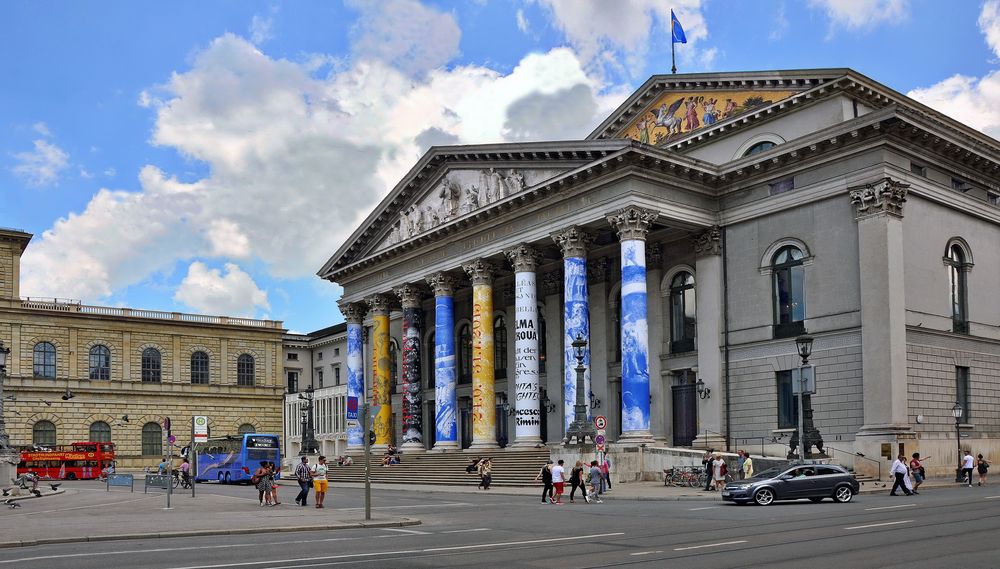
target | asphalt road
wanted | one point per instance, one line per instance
(955, 527)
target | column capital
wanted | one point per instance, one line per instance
(379, 304)
(354, 312)
(632, 223)
(884, 197)
(480, 271)
(410, 294)
(708, 242)
(524, 258)
(442, 283)
(573, 241)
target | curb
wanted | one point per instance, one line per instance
(201, 533)
(31, 496)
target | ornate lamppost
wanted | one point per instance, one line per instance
(580, 428)
(8, 455)
(309, 445)
(807, 434)
(956, 411)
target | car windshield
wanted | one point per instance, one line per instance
(770, 472)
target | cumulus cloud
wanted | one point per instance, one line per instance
(208, 290)
(41, 166)
(227, 239)
(606, 33)
(41, 128)
(862, 14)
(260, 29)
(405, 34)
(974, 101)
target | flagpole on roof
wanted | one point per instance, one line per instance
(673, 58)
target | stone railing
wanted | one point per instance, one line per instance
(60, 305)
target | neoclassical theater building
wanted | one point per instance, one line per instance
(689, 239)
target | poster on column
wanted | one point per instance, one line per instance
(444, 371)
(483, 395)
(355, 379)
(576, 318)
(527, 425)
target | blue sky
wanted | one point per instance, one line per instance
(209, 156)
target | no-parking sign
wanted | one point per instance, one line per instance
(600, 421)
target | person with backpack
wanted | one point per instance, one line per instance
(304, 477)
(983, 466)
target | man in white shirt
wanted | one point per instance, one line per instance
(968, 462)
(559, 481)
(899, 471)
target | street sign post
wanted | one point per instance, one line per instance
(600, 422)
(352, 408)
(199, 428)
(599, 439)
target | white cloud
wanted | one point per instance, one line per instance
(41, 167)
(608, 33)
(260, 29)
(522, 21)
(406, 34)
(41, 128)
(862, 14)
(209, 291)
(974, 101)
(228, 240)
(780, 26)
(110, 172)
(85, 174)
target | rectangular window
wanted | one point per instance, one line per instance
(319, 356)
(962, 389)
(993, 197)
(336, 351)
(788, 404)
(293, 357)
(918, 169)
(782, 186)
(293, 381)
(319, 378)
(336, 376)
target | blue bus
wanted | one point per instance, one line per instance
(234, 458)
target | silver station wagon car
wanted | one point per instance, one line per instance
(801, 481)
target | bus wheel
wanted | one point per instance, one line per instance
(227, 478)
(222, 479)
(70, 476)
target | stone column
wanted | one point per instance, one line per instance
(354, 313)
(632, 225)
(527, 413)
(413, 419)
(381, 368)
(879, 208)
(445, 415)
(576, 312)
(484, 411)
(708, 287)
(661, 407)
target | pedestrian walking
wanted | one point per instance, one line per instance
(968, 463)
(597, 478)
(559, 481)
(917, 469)
(546, 475)
(606, 473)
(485, 473)
(741, 458)
(576, 480)
(707, 461)
(262, 480)
(304, 477)
(719, 471)
(983, 466)
(899, 471)
(320, 483)
(747, 469)
(274, 469)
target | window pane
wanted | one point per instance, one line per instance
(151, 365)
(199, 368)
(246, 428)
(152, 439)
(100, 432)
(500, 348)
(100, 362)
(44, 360)
(962, 389)
(798, 294)
(465, 359)
(245, 370)
(43, 433)
(788, 411)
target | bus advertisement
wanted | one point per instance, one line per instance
(76, 461)
(234, 458)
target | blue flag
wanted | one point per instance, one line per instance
(676, 30)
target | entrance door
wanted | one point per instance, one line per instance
(685, 413)
(466, 427)
(430, 431)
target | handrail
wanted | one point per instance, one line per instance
(878, 463)
(761, 439)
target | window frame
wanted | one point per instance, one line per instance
(35, 432)
(200, 370)
(91, 432)
(464, 354)
(957, 260)
(246, 370)
(785, 324)
(292, 381)
(680, 339)
(151, 365)
(785, 398)
(47, 351)
(97, 371)
(963, 392)
(759, 147)
(499, 347)
(147, 443)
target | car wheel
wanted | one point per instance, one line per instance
(763, 497)
(816, 499)
(843, 494)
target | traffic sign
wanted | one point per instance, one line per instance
(600, 421)
(166, 423)
(199, 428)
(171, 439)
(601, 432)
(599, 439)
(600, 448)
(352, 408)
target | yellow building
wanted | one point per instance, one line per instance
(78, 372)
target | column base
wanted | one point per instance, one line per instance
(533, 442)
(483, 445)
(413, 448)
(708, 441)
(446, 446)
(636, 437)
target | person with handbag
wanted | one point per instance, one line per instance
(983, 466)
(304, 476)
(917, 469)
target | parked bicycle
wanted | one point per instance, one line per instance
(690, 477)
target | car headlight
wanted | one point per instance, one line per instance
(741, 486)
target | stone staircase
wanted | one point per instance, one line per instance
(510, 468)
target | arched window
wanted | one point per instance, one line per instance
(245, 370)
(541, 339)
(789, 292)
(45, 360)
(100, 432)
(246, 429)
(100, 362)
(151, 368)
(759, 147)
(430, 349)
(682, 313)
(958, 270)
(393, 365)
(464, 354)
(499, 347)
(152, 439)
(199, 368)
(44, 434)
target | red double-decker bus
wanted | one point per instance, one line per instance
(76, 461)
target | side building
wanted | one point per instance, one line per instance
(79, 372)
(315, 366)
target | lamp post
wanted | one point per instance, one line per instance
(580, 428)
(8, 456)
(956, 411)
(804, 346)
(309, 445)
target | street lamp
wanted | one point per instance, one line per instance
(703, 392)
(8, 456)
(804, 345)
(309, 445)
(956, 411)
(580, 428)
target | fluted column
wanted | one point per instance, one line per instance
(354, 313)
(632, 225)
(410, 296)
(381, 368)
(484, 411)
(445, 402)
(576, 313)
(527, 413)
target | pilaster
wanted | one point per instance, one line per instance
(708, 284)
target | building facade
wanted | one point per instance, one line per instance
(315, 366)
(94, 373)
(702, 227)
